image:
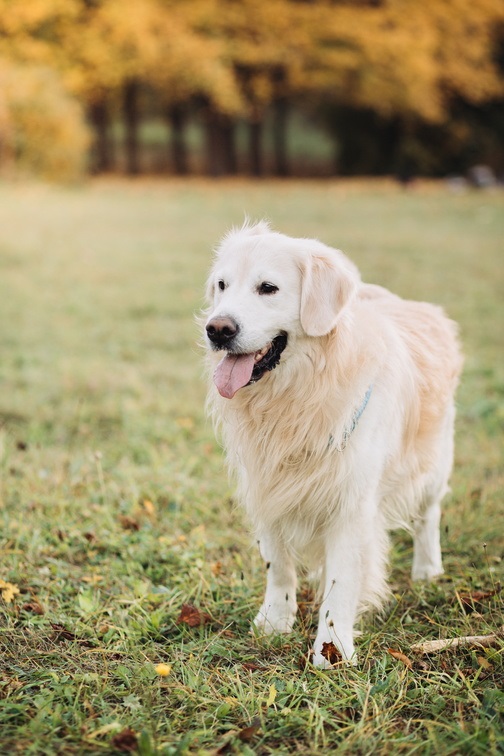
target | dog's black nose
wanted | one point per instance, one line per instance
(221, 331)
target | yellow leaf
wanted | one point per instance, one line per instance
(92, 579)
(163, 670)
(483, 662)
(401, 657)
(9, 590)
(272, 695)
(149, 507)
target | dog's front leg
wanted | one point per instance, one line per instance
(278, 610)
(342, 586)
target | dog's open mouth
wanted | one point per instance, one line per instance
(237, 370)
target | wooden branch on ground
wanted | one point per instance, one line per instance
(485, 641)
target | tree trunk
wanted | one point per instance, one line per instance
(228, 142)
(131, 120)
(103, 158)
(177, 120)
(280, 119)
(214, 164)
(255, 148)
(220, 143)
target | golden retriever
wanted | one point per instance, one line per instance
(335, 403)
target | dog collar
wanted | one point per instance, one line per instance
(350, 429)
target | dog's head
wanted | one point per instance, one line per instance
(266, 290)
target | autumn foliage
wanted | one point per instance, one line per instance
(420, 80)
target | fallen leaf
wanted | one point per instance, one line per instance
(129, 523)
(216, 568)
(471, 602)
(251, 666)
(331, 653)
(9, 590)
(192, 616)
(248, 733)
(483, 662)
(401, 657)
(125, 741)
(61, 633)
(272, 695)
(149, 507)
(245, 735)
(92, 579)
(34, 607)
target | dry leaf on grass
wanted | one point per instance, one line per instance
(483, 662)
(33, 607)
(192, 616)
(61, 633)
(216, 568)
(129, 523)
(331, 653)
(245, 735)
(125, 741)
(248, 733)
(471, 602)
(8, 590)
(252, 666)
(149, 507)
(401, 657)
(271, 695)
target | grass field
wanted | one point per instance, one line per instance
(115, 509)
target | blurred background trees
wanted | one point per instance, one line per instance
(310, 87)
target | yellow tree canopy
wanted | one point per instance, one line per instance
(405, 56)
(393, 56)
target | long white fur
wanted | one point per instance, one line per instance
(308, 501)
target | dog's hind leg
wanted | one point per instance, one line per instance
(278, 610)
(427, 562)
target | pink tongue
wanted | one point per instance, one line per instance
(233, 372)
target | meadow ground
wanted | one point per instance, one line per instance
(116, 512)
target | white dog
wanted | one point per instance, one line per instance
(335, 402)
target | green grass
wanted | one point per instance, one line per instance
(115, 509)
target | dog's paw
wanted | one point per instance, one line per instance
(328, 654)
(320, 661)
(272, 620)
(426, 571)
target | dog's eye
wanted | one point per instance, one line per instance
(267, 288)
(221, 284)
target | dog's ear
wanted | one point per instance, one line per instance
(328, 283)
